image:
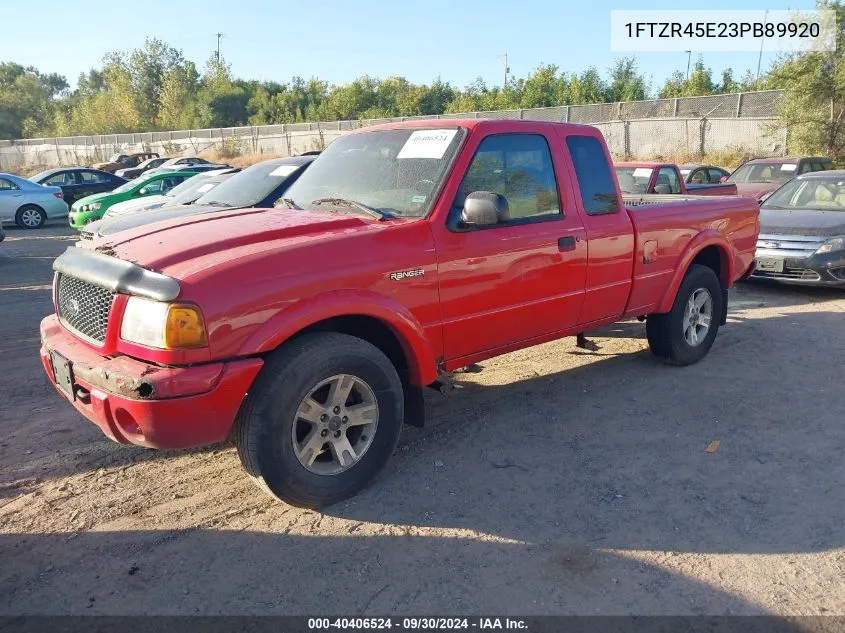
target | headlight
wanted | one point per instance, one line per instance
(162, 325)
(832, 245)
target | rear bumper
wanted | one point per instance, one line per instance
(133, 402)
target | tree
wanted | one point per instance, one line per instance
(588, 87)
(543, 88)
(27, 100)
(814, 106)
(626, 84)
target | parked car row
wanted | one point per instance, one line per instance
(58, 193)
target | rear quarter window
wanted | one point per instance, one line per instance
(595, 178)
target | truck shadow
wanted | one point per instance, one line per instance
(617, 451)
(243, 572)
(568, 493)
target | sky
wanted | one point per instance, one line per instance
(339, 41)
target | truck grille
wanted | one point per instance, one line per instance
(83, 307)
(804, 274)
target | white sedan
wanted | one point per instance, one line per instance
(28, 204)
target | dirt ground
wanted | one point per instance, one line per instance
(555, 481)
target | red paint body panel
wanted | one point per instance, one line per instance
(262, 276)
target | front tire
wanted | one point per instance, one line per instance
(30, 216)
(322, 419)
(685, 334)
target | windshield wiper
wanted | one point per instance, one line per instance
(288, 202)
(215, 203)
(343, 202)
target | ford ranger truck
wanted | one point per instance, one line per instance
(307, 331)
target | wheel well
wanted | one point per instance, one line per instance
(370, 329)
(712, 256)
(29, 205)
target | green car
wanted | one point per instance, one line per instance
(93, 207)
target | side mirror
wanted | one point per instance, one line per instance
(662, 189)
(143, 191)
(723, 179)
(485, 208)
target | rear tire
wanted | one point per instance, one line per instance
(685, 334)
(301, 439)
(30, 216)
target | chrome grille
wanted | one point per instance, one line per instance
(804, 274)
(83, 307)
(85, 234)
(780, 245)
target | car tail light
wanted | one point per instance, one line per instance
(58, 194)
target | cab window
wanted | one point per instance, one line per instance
(595, 179)
(519, 167)
(667, 181)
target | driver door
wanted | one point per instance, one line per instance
(523, 277)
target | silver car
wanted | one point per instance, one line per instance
(28, 204)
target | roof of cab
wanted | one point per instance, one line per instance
(491, 124)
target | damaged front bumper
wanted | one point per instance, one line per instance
(134, 402)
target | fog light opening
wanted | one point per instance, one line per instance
(128, 424)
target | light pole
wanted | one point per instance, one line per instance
(504, 59)
(762, 41)
(689, 57)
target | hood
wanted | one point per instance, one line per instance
(96, 197)
(114, 225)
(755, 189)
(802, 222)
(188, 245)
(128, 206)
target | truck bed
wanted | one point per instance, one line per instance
(664, 227)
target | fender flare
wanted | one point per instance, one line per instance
(422, 363)
(710, 237)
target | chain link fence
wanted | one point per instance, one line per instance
(742, 122)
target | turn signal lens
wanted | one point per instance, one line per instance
(184, 327)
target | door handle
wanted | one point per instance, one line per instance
(566, 243)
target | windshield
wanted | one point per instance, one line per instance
(189, 185)
(633, 179)
(199, 188)
(812, 193)
(250, 186)
(129, 186)
(115, 157)
(393, 171)
(764, 172)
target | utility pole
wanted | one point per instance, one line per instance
(219, 35)
(504, 59)
(689, 57)
(760, 56)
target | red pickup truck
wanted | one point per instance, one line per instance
(405, 251)
(664, 178)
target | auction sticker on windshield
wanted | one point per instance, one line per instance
(788, 167)
(427, 144)
(283, 170)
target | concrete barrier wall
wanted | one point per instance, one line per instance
(642, 138)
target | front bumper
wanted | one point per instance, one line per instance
(78, 219)
(827, 269)
(133, 402)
